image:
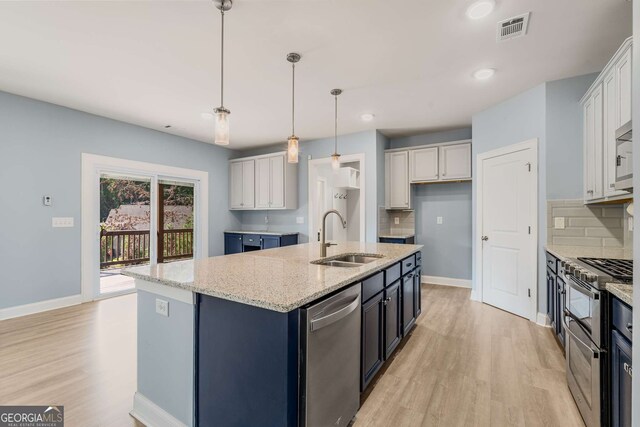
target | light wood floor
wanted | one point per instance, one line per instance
(465, 363)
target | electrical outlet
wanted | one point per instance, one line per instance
(266, 220)
(299, 220)
(60, 222)
(396, 220)
(162, 307)
(558, 223)
(439, 220)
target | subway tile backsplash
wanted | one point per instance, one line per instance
(587, 225)
(387, 225)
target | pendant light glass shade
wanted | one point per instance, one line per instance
(335, 157)
(292, 149)
(222, 127)
(335, 161)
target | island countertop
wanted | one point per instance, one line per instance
(280, 279)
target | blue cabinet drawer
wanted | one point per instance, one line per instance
(552, 262)
(372, 285)
(251, 239)
(392, 274)
(622, 318)
(408, 264)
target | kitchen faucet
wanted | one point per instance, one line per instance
(323, 244)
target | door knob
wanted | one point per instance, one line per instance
(485, 238)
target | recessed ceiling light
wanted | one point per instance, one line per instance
(367, 117)
(484, 73)
(480, 9)
(207, 116)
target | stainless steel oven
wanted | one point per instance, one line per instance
(584, 348)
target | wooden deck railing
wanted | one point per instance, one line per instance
(128, 247)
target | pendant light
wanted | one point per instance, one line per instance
(292, 142)
(221, 113)
(335, 157)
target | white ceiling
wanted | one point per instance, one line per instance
(409, 62)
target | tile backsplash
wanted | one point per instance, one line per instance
(387, 225)
(588, 225)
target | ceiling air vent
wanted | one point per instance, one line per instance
(513, 27)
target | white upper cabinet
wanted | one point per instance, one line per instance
(423, 165)
(606, 106)
(263, 183)
(455, 162)
(397, 180)
(241, 184)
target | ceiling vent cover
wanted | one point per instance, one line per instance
(513, 27)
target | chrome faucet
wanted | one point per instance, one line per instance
(323, 244)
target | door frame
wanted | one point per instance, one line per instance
(345, 158)
(93, 166)
(531, 144)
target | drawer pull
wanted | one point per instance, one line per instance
(628, 369)
(409, 264)
(630, 328)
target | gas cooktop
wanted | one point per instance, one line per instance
(619, 269)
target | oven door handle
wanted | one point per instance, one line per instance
(593, 294)
(595, 351)
(584, 327)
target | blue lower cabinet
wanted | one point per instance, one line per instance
(372, 338)
(417, 280)
(232, 243)
(268, 242)
(398, 240)
(621, 374)
(408, 303)
(392, 319)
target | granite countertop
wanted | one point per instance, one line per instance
(280, 279)
(564, 252)
(396, 236)
(623, 291)
(265, 233)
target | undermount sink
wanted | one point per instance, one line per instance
(350, 260)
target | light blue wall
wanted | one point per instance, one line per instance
(362, 142)
(447, 246)
(432, 138)
(515, 120)
(40, 153)
(382, 143)
(564, 136)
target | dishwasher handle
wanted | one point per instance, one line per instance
(341, 313)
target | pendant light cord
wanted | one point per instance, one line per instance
(222, 60)
(293, 99)
(335, 151)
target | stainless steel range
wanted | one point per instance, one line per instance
(586, 332)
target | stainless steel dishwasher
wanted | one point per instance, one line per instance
(331, 360)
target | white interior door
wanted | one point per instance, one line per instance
(508, 192)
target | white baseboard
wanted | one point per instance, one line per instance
(446, 281)
(543, 320)
(151, 415)
(40, 306)
(475, 296)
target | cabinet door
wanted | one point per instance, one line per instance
(621, 373)
(417, 293)
(423, 165)
(455, 162)
(262, 183)
(610, 124)
(392, 321)
(248, 184)
(593, 118)
(397, 176)
(560, 304)
(372, 339)
(232, 244)
(276, 181)
(623, 77)
(408, 303)
(235, 185)
(268, 242)
(551, 297)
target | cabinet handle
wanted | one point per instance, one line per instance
(612, 186)
(630, 328)
(444, 174)
(409, 264)
(589, 191)
(619, 160)
(628, 369)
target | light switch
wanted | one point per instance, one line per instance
(162, 307)
(439, 220)
(558, 223)
(62, 222)
(396, 220)
(299, 220)
(630, 219)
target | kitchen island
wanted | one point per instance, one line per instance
(219, 339)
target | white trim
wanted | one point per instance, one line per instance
(150, 414)
(531, 144)
(168, 291)
(446, 281)
(39, 307)
(475, 296)
(345, 158)
(543, 320)
(440, 144)
(92, 166)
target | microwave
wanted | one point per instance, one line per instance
(624, 160)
